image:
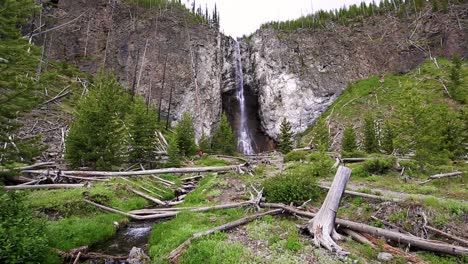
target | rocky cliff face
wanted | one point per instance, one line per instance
(135, 42)
(298, 74)
(292, 74)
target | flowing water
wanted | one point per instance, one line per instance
(244, 144)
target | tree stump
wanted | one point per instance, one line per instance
(322, 226)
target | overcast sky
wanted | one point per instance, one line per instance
(242, 17)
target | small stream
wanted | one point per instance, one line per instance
(135, 234)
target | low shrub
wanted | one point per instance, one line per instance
(353, 154)
(378, 165)
(295, 156)
(360, 172)
(22, 237)
(291, 187)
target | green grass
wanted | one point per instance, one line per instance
(210, 161)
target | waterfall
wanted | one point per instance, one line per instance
(244, 137)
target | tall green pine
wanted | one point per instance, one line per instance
(185, 135)
(224, 140)
(142, 125)
(173, 153)
(321, 135)
(285, 140)
(371, 144)
(97, 137)
(388, 136)
(205, 144)
(349, 139)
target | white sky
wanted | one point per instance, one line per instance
(242, 17)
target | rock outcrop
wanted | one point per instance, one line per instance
(298, 74)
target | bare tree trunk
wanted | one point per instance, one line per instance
(44, 186)
(323, 224)
(162, 90)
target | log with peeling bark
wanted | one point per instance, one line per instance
(442, 175)
(191, 209)
(460, 240)
(44, 186)
(135, 217)
(322, 226)
(85, 255)
(33, 166)
(148, 197)
(143, 172)
(176, 253)
(417, 242)
(396, 251)
(366, 195)
(358, 237)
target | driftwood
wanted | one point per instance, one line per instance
(176, 253)
(375, 231)
(83, 178)
(461, 241)
(37, 165)
(366, 195)
(442, 175)
(84, 254)
(135, 217)
(44, 186)
(143, 172)
(322, 226)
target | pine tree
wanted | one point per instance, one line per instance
(224, 140)
(185, 135)
(96, 137)
(457, 90)
(173, 153)
(142, 125)
(205, 144)
(321, 135)
(19, 91)
(349, 139)
(285, 139)
(388, 136)
(371, 144)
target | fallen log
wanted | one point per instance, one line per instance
(83, 178)
(322, 226)
(143, 172)
(191, 209)
(33, 166)
(396, 251)
(354, 159)
(44, 186)
(147, 197)
(135, 217)
(442, 175)
(176, 253)
(87, 255)
(358, 237)
(401, 230)
(366, 195)
(461, 241)
(375, 231)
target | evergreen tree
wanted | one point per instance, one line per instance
(185, 135)
(457, 90)
(96, 137)
(321, 135)
(388, 136)
(142, 125)
(173, 153)
(18, 63)
(285, 139)
(349, 139)
(224, 140)
(371, 144)
(205, 143)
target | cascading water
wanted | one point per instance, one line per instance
(244, 144)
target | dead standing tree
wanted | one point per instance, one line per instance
(322, 226)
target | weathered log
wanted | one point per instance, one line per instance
(401, 230)
(135, 217)
(323, 225)
(83, 178)
(396, 251)
(366, 195)
(358, 237)
(44, 186)
(33, 166)
(176, 253)
(442, 175)
(375, 231)
(85, 255)
(143, 172)
(355, 159)
(461, 241)
(147, 197)
(191, 209)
